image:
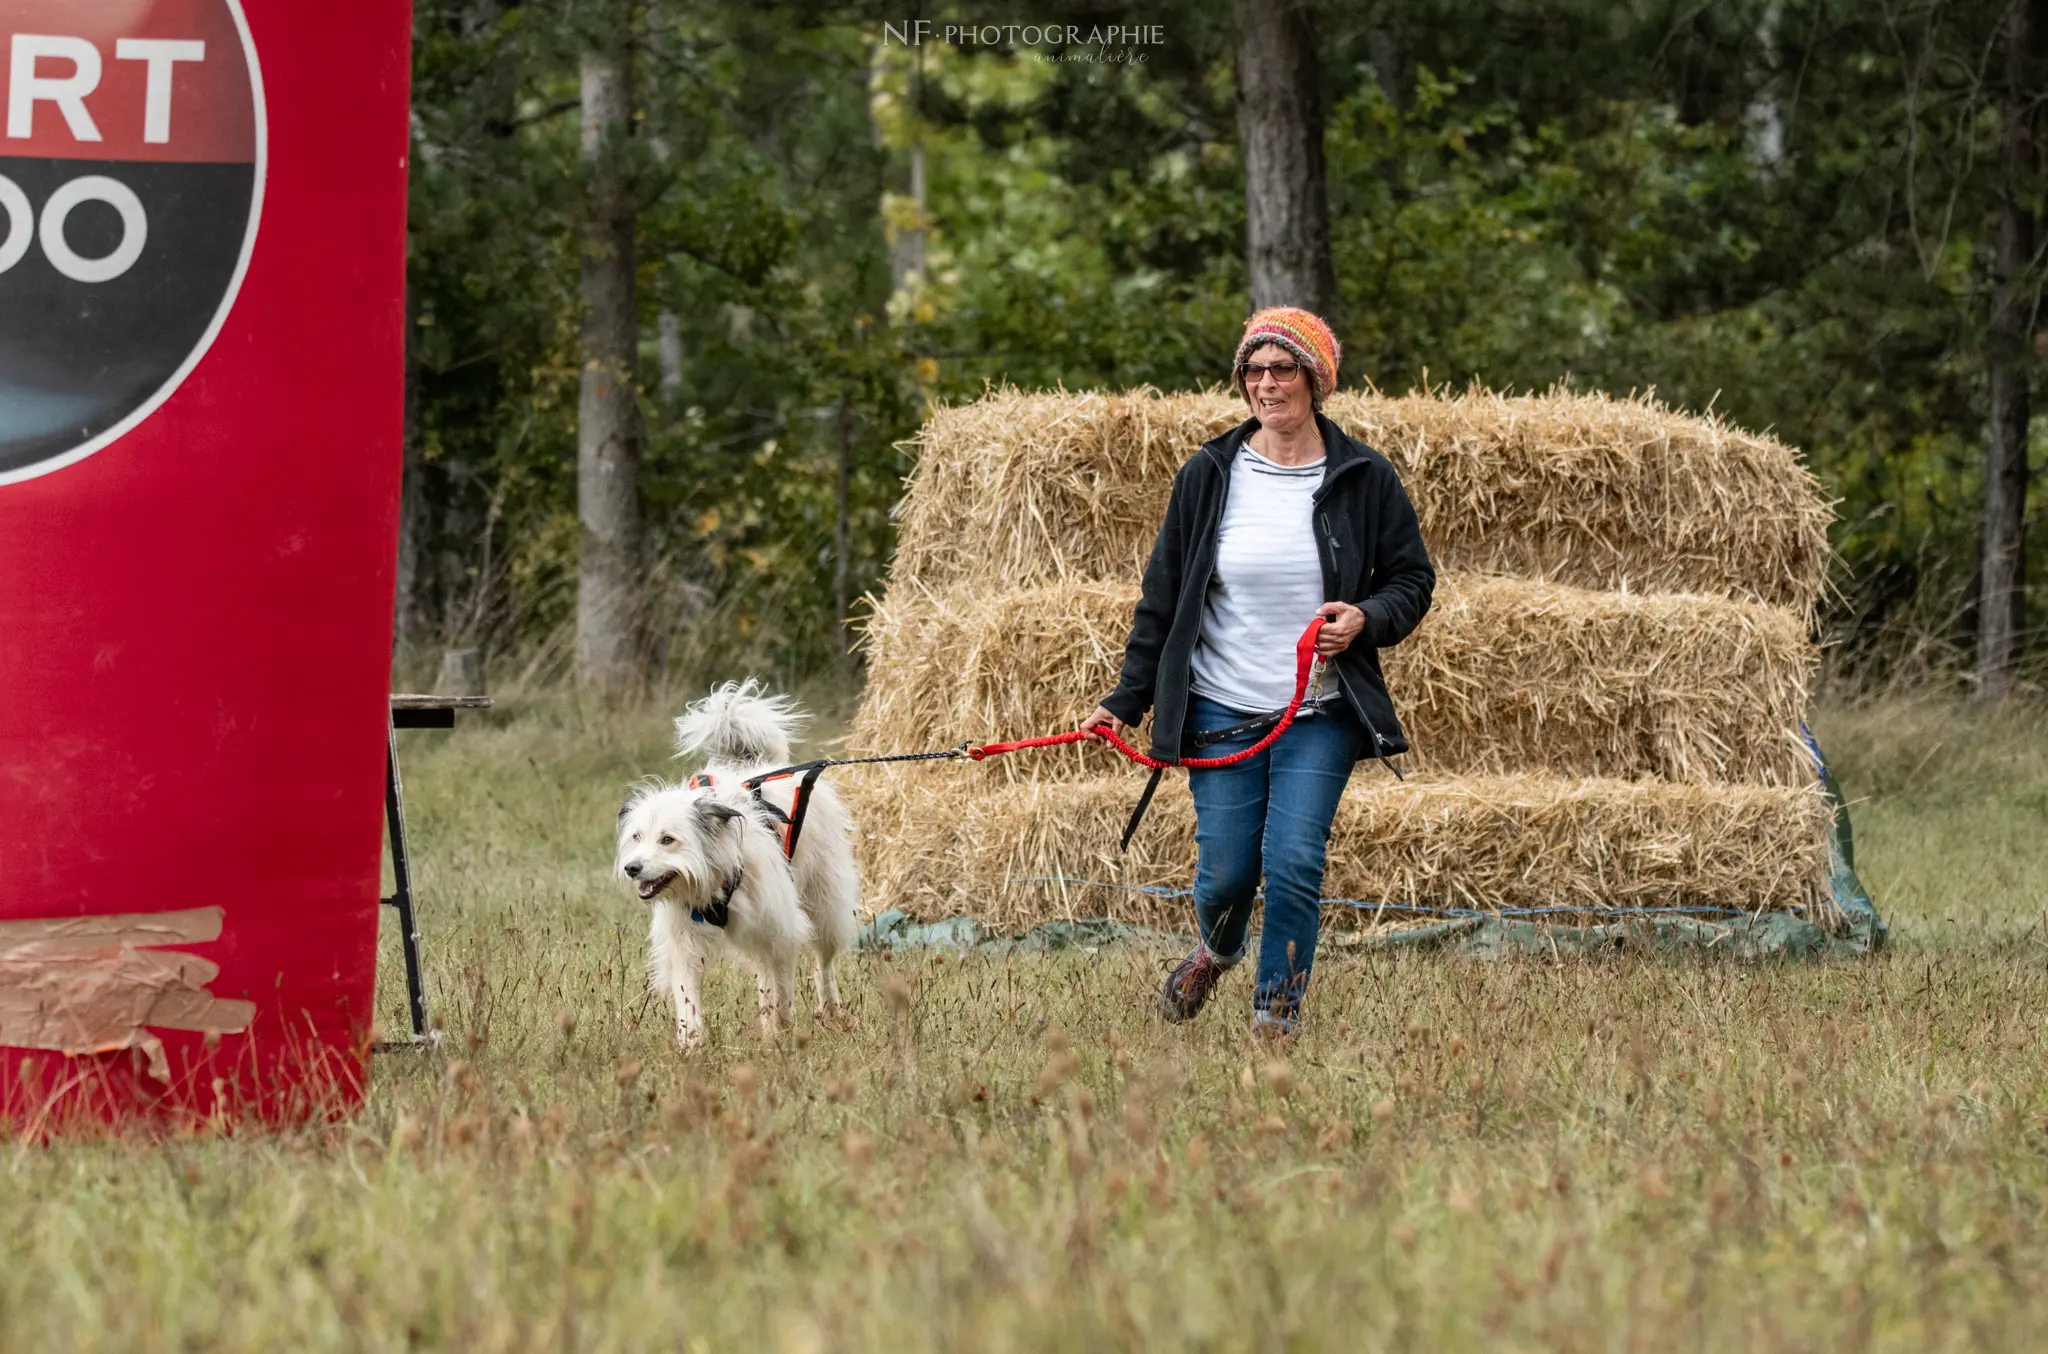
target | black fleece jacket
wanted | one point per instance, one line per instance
(1372, 555)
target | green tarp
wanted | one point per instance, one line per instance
(895, 930)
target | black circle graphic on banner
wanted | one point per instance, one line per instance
(117, 273)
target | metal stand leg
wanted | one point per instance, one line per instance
(401, 897)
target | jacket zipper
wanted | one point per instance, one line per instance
(1379, 743)
(1208, 576)
(1331, 479)
(1330, 537)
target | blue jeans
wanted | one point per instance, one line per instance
(1271, 812)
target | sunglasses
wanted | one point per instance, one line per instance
(1282, 373)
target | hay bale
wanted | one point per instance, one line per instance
(1046, 488)
(1503, 675)
(954, 665)
(1023, 490)
(941, 841)
(1604, 493)
(1615, 730)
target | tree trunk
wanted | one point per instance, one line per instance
(906, 258)
(669, 351)
(409, 617)
(1385, 50)
(607, 412)
(842, 519)
(1280, 125)
(2002, 597)
(1764, 119)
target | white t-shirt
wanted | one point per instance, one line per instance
(1267, 585)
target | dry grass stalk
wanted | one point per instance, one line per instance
(945, 841)
(1021, 490)
(1503, 675)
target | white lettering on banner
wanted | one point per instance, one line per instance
(25, 88)
(161, 54)
(134, 228)
(28, 84)
(21, 227)
(21, 223)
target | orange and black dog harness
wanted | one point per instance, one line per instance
(806, 777)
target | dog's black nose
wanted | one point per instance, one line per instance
(633, 870)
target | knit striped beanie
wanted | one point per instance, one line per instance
(1301, 334)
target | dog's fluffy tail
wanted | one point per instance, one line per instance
(740, 722)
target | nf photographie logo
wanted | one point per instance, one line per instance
(1098, 41)
(131, 178)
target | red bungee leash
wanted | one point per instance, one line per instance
(1304, 668)
(1304, 664)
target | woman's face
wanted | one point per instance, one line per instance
(1279, 405)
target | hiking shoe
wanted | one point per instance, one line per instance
(1270, 1026)
(1188, 987)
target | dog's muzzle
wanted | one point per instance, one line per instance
(650, 888)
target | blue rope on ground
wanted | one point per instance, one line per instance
(1155, 890)
(1450, 913)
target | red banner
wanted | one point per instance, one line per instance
(202, 247)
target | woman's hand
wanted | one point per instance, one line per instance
(1343, 623)
(1102, 719)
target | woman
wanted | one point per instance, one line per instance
(1282, 518)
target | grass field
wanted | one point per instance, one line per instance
(1017, 1154)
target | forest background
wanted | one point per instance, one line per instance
(684, 276)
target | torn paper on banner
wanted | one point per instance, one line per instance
(78, 985)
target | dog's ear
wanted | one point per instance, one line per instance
(713, 815)
(625, 808)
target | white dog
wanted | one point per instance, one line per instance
(710, 858)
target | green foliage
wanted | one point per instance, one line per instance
(757, 186)
(1777, 210)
